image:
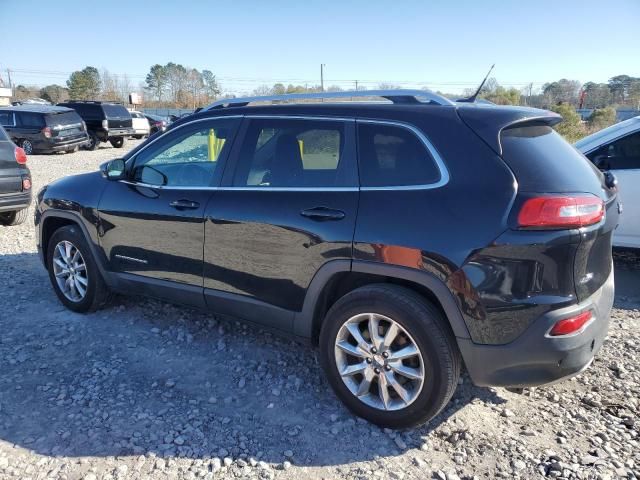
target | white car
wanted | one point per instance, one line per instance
(617, 149)
(140, 124)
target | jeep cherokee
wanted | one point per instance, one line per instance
(405, 239)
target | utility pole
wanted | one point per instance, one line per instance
(530, 88)
(322, 65)
(9, 77)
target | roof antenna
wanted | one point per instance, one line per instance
(472, 98)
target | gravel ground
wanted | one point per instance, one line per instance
(144, 389)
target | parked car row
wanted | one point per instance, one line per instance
(75, 124)
(15, 182)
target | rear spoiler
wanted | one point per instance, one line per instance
(488, 122)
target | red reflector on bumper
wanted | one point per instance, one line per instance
(571, 325)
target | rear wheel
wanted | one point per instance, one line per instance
(117, 142)
(27, 146)
(16, 217)
(389, 355)
(73, 271)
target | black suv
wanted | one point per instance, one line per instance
(106, 122)
(405, 239)
(15, 182)
(44, 128)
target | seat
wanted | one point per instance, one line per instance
(287, 169)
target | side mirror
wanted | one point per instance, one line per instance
(113, 169)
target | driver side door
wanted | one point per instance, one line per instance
(622, 158)
(152, 222)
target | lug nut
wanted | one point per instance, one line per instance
(369, 360)
(385, 354)
(374, 350)
(377, 370)
(387, 368)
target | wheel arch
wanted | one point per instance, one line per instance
(53, 220)
(337, 278)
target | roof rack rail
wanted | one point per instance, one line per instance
(98, 102)
(398, 96)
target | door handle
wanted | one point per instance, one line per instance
(184, 204)
(323, 213)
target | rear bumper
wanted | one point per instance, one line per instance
(60, 146)
(17, 201)
(535, 359)
(117, 133)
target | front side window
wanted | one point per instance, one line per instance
(189, 157)
(621, 154)
(393, 156)
(286, 153)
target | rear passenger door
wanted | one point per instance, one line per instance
(286, 207)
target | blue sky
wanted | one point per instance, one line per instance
(446, 45)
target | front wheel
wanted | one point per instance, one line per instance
(389, 355)
(73, 271)
(117, 142)
(9, 219)
(94, 142)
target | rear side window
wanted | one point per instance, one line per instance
(65, 118)
(111, 110)
(296, 153)
(393, 156)
(28, 119)
(543, 161)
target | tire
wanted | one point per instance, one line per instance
(9, 219)
(117, 142)
(27, 146)
(96, 291)
(95, 142)
(418, 323)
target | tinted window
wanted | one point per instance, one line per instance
(29, 120)
(86, 110)
(188, 157)
(111, 110)
(393, 156)
(294, 153)
(6, 119)
(622, 154)
(64, 118)
(543, 161)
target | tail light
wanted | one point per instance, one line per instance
(105, 124)
(571, 325)
(557, 212)
(26, 183)
(46, 131)
(21, 157)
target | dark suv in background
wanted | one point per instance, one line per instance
(106, 121)
(44, 128)
(404, 239)
(15, 182)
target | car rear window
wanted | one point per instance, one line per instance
(543, 161)
(111, 110)
(393, 156)
(64, 118)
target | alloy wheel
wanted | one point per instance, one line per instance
(27, 146)
(70, 271)
(379, 361)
